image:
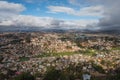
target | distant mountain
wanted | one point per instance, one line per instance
(59, 30)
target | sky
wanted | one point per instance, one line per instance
(60, 14)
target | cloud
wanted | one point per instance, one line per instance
(107, 10)
(35, 1)
(111, 18)
(24, 20)
(8, 10)
(76, 2)
(85, 11)
(72, 1)
(56, 9)
(46, 22)
(12, 19)
(11, 7)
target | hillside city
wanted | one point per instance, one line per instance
(59, 56)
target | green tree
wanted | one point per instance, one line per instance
(25, 76)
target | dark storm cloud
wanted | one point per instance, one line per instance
(111, 15)
(111, 19)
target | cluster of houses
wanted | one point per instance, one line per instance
(51, 43)
(17, 54)
(40, 65)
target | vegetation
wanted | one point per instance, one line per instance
(56, 54)
(98, 68)
(70, 73)
(2, 76)
(23, 58)
(116, 48)
(89, 52)
(1, 58)
(25, 76)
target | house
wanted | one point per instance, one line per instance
(86, 77)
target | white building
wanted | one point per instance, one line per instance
(86, 77)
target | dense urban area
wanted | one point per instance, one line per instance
(59, 56)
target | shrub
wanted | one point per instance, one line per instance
(25, 76)
(52, 75)
(98, 68)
